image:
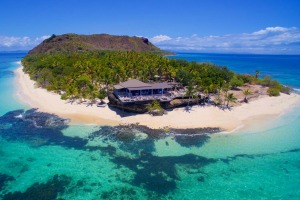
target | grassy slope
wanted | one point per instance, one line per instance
(73, 42)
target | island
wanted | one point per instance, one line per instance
(69, 75)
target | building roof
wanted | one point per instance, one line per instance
(161, 85)
(134, 84)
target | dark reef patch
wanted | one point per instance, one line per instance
(38, 129)
(17, 165)
(193, 137)
(159, 174)
(37, 119)
(125, 137)
(201, 179)
(126, 133)
(232, 158)
(42, 191)
(184, 137)
(154, 173)
(4, 178)
(191, 140)
(292, 151)
(119, 193)
(30, 159)
(161, 133)
(195, 131)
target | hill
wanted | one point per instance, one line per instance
(74, 42)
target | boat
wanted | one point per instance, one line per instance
(101, 104)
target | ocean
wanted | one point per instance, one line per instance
(284, 68)
(93, 162)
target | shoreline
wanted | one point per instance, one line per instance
(263, 108)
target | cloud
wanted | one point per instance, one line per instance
(272, 30)
(20, 43)
(160, 38)
(271, 40)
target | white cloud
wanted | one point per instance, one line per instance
(271, 40)
(42, 38)
(272, 30)
(17, 43)
(160, 38)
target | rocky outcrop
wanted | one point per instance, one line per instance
(45, 120)
(141, 107)
(160, 133)
(157, 112)
(132, 107)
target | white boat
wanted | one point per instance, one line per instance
(101, 104)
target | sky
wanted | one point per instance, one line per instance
(209, 26)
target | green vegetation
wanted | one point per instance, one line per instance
(85, 67)
(274, 86)
(230, 98)
(236, 82)
(190, 93)
(155, 105)
(246, 93)
(89, 75)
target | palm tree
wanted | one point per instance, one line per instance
(72, 92)
(225, 88)
(101, 94)
(82, 82)
(230, 98)
(246, 93)
(218, 97)
(91, 93)
(190, 93)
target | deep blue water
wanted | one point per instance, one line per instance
(92, 162)
(284, 68)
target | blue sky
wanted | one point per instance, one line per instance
(221, 26)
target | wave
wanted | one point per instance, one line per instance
(297, 90)
(19, 116)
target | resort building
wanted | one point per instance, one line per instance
(136, 91)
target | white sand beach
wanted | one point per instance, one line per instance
(264, 107)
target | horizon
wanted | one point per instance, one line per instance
(183, 52)
(238, 27)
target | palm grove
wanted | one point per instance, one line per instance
(90, 75)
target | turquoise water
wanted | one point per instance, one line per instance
(8, 63)
(90, 162)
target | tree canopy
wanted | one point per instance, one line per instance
(86, 75)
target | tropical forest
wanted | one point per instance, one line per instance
(90, 75)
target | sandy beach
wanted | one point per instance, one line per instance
(264, 107)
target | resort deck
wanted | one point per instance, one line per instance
(137, 91)
(160, 97)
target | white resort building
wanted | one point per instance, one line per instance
(137, 91)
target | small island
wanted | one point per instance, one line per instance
(69, 75)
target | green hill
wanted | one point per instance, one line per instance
(95, 42)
